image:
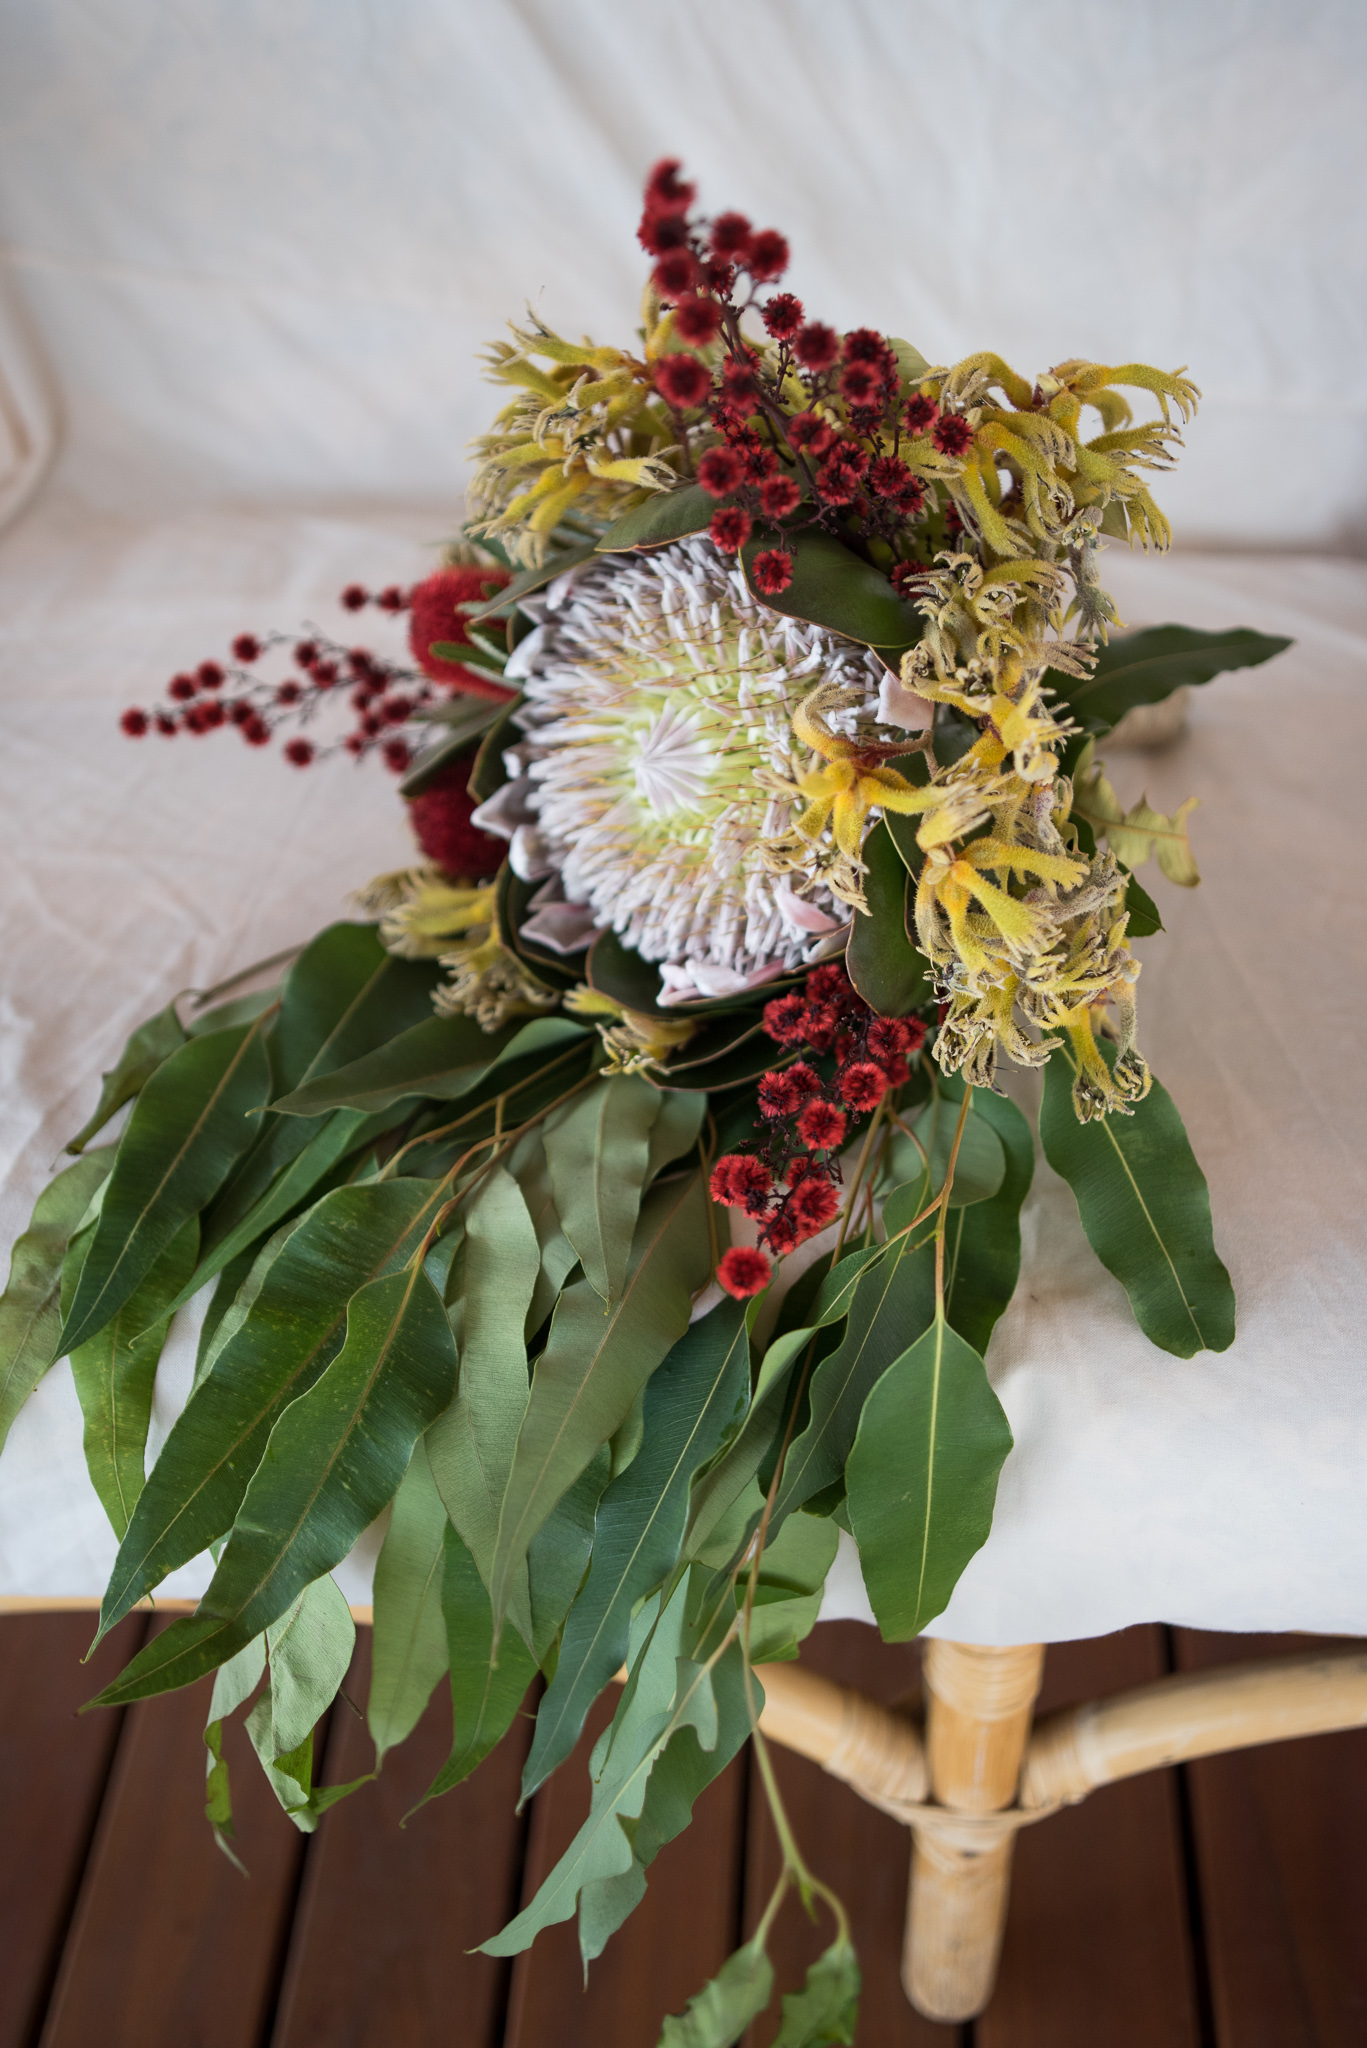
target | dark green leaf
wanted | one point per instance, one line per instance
(194, 1117)
(978, 1170)
(834, 588)
(983, 1241)
(484, 1695)
(665, 516)
(718, 2015)
(489, 772)
(788, 1586)
(31, 1306)
(558, 1554)
(824, 2012)
(1144, 917)
(443, 1058)
(1145, 1208)
(147, 1047)
(597, 1152)
(884, 965)
(456, 725)
(408, 1653)
(1143, 668)
(529, 580)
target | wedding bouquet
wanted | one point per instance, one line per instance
(749, 745)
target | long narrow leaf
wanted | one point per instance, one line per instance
(485, 1694)
(983, 1241)
(147, 1048)
(597, 1154)
(31, 1306)
(408, 1644)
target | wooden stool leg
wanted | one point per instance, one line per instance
(978, 1708)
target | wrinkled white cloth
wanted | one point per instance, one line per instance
(1221, 1492)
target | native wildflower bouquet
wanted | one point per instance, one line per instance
(748, 742)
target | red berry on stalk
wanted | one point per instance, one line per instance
(783, 316)
(951, 434)
(697, 320)
(731, 234)
(862, 1085)
(666, 192)
(920, 414)
(817, 346)
(783, 1018)
(720, 471)
(822, 1125)
(354, 596)
(182, 688)
(772, 572)
(397, 755)
(767, 256)
(391, 598)
(779, 496)
(683, 381)
(744, 1271)
(210, 675)
(298, 753)
(246, 647)
(437, 612)
(730, 529)
(134, 723)
(675, 273)
(813, 1204)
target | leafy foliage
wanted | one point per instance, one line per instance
(1144, 668)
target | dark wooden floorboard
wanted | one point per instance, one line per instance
(677, 1938)
(378, 1956)
(1097, 1947)
(170, 1946)
(860, 1853)
(1281, 1841)
(54, 1765)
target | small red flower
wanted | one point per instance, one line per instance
(902, 575)
(437, 612)
(720, 471)
(805, 1079)
(682, 380)
(211, 713)
(744, 1271)
(134, 723)
(951, 434)
(888, 1038)
(822, 1125)
(395, 710)
(167, 727)
(778, 1094)
(256, 732)
(916, 1034)
(783, 1018)
(781, 1232)
(299, 753)
(920, 414)
(864, 345)
(730, 529)
(783, 316)
(859, 384)
(829, 982)
(889, 476)
(813, 1204)
(772, 572)
(817, 346)
(808, 430)
(841, 473)
(210, 675)
(392, 599)
(354, 596)
(820, 1022)
(246, 647)
(767, 257)
(779, 496)
(739, 382)
(731, 234)
(801, 1167)
(862, 1085)
(397, 755)
(666, 192)
(324, 674)
(675, 273)
(660, 231)
(697, 320)
(182, 688)
(896, 1072)
(740, 1181)
(288, 693)
(305, 654)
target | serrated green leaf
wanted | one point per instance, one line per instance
(921, 1478)
(1141, 831)
(194, 1117)
(484, 1695)
(823, 2014)
(408, 1653)
(983, 1240)
(1144, 668)
(333, 1462)
(884, 965)
(147, 1048)
(594, 1365)
(690, 1402)
(597, 1154)
(718, 2015)
(114, 1373)
(31, 1306)
(1145, 1207)
(834, 588)
(665, 516)
(291, 1329)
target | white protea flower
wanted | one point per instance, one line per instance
(658, 754)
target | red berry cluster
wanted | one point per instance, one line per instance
(782, 1181)
(386, 696)
(769, 461)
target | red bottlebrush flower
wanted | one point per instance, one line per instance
(697, 320)
(783, 1018)
(437, 612)
(888, 1039)
(817, 346)
(859, 384)
(767, 257)
(778, 1094)
(256, 732)
(391, 598)
(740, 1181)
(134, 723)
(210, 675)
(862, 1085)
(666, 191)
(841, 473)
(682, 380)
(305, 654)
(781, 1232)
(772, 572)
(731, 234)
(720, 471)
(808, 430)
(730, 529)
(889, 477)
(246, 647)
(822, 1125)
(951, 434)
(744, 1271)
(902, 575)
(813, 1204)
(167, 727)
(919, 414)
(805, 1079)
(397, 755)
(783, 316)
(288, 693)
(299, 753)
(779, 496)
(675, 273)
(182, 688)
(660, 231)
(354, 596)
(440, 818)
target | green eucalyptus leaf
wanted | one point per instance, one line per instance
(835, 588)
(1145, 1207)
(690, 1402)
(597, 1154)
(193, 1119)
(485, 1694)
(489, 772)
(788, 1586)
(114, 1372)
(825, 2011)
(922, 1478)
(147, 1048)
(291, 1329)
(675, 1130)
(529, 580)
(457, 724)
(664, 516)
(978, 1171)
(309, 1651)
(719, 2014)
(443, 1058)
(408, 1653)
(1144, 917)
(1144, 668)
(983, 1240)
(234, 1684)
(884, 965)
(31, 1305)
(558, 1554)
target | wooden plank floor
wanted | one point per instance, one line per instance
(1218, 1907)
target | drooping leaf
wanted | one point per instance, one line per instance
(884, 965)
(408, 1653)
(788, 1586)
(558, 1554)
(832, 587)
(333, 1461)
(31, 1306)
(597, 1153)
(291, 1327)
(454, 726)
(147, 1048)
(983, 1240)
(1145, 1207)
(979, 1169)
(690, 1401)
(1141, 831)
(824, 2013)
(665, 516)
(1144, 668)
(484, 1695)
(114, 1372)
(309, 1650)
(718, 2015)
(442, 1057)
(529, 580)
(194, 1117)
(922, 1478)
(594, 1365)
(234, 1684)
